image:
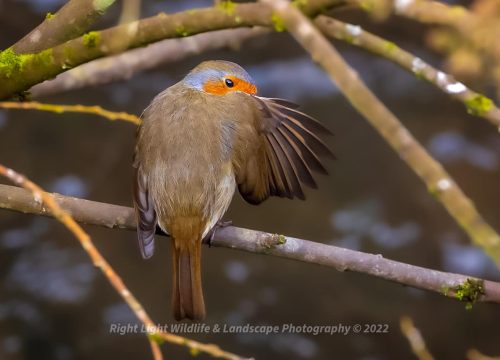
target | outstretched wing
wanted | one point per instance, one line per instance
(289, 150)
(145, 213)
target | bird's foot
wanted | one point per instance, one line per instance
(211, 234)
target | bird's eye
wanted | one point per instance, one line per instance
(229, 83)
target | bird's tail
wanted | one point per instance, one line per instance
(187, 294)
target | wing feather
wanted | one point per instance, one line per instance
(289, 151)
(145, 214)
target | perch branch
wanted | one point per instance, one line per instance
(121, 217)
(438, 181)
(57, 108)
(124, 66)
(20, 72)
(415, 339)
(72, 20)
(50, 204)
(476, 104)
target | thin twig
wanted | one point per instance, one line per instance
(415, 339)
(72, 20)
(58, 108)
(121, 217)
(42, 199)
(439, 183)
(476, 103)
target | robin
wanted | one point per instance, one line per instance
(199, 140)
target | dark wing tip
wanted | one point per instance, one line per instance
(145, 215)
(146, 243)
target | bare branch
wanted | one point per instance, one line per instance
(72, 20)
(58, 108)
(476, 104)
(438, 181)
(115, 216)
(124, 66)
(50, 204)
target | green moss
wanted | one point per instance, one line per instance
(367, 5)
(469, 292)
(156, 338)
(49, 16)
(299, 3)
(193, 351)
(182, 31)
(227, 6)
(10, 62)
(278, 23)
(44, 58)
(281, 239)
(91, 39)
(389, 47)
(479, 105)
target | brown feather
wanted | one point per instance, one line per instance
(187, 294)
(145, 214)
(287, 165)
(292, 149)
(299, 162)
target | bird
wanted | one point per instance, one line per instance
(198, 141)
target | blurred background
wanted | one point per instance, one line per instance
(55, 305)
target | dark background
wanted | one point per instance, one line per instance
(55, 305)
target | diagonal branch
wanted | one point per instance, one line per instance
(476, 104)
(72, 20)
(415, 338)
(50, 204)
(455, 286)
(438, 181)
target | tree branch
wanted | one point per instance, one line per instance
(121, 217)
(49, 203)
(20, 72)
(438, 181)
(72, 20)
(476, 104)
(124, 66)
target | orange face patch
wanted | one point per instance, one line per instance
(219, 87)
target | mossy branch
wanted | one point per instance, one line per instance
(72, 20)
(475, 103)
(121, 217)
(20, 72)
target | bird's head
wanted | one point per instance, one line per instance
(219, 77)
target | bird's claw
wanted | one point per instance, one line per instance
(210, 236)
